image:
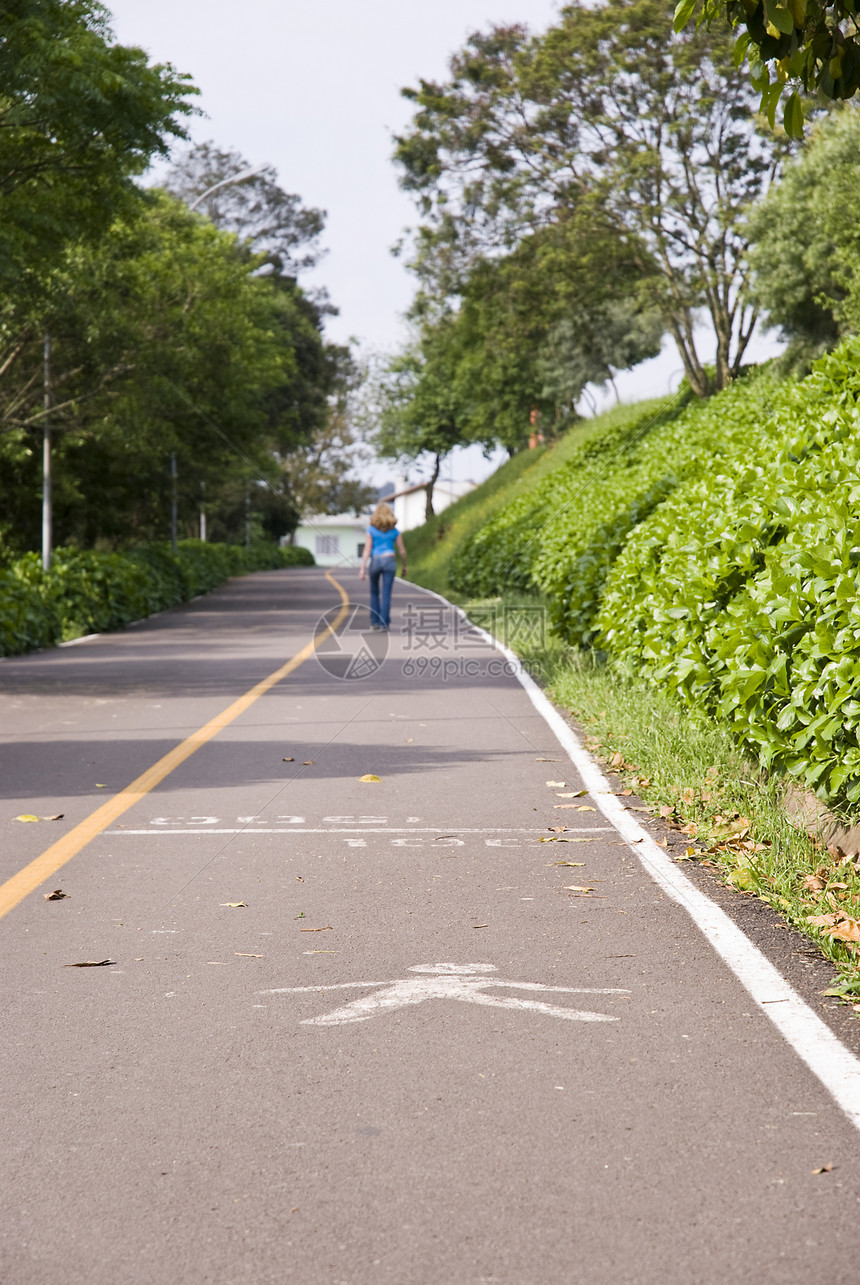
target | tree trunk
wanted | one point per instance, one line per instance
(428, 490)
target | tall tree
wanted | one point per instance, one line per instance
(165, 342)
(601, 111)
(268, 221)
(806, 252)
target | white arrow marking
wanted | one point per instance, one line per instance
(466, 982)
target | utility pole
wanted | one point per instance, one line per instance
(174, 505)
(47, 497)
(203, 512)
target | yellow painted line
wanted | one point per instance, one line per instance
(14, 890)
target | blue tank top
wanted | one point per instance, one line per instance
(383, 541)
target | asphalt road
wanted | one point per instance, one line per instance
(510, 1081)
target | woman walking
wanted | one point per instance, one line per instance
(382, 539)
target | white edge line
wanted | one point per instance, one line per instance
(810, 1037)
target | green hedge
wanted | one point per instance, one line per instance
(87, 592)
(715, 548)
(742, 591)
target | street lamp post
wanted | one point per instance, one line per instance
(227, 182)
(47, 496)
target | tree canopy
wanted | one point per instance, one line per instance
(806, 252)
(79, 117)
(601, 114)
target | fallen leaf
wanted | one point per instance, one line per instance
(321, 952)
(565, 805)
(26, 816)
(56, 895)
(846, 930)
(244, 954)
(410, 740)
(556, 785)
(308, 763)
(370, 777)
(577, 887)
(564, 838)
(821, 921)
(742, 879)
(665, 811)
(328, 928)
(480, 925)
(220, 962)
(617, 760)
(100, 785)
(625, 793)
(662, 843)
(828, 1168)
(289, 760)
(58, 816)
(91, 963)
(572, 794)
(547, 760)
(234, 905)
(578, 864)
(585, 807)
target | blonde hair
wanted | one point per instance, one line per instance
(383, 517)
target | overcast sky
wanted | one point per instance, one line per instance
(313, 87)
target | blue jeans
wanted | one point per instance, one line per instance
(381, 576)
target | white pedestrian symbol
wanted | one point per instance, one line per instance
(466, 982)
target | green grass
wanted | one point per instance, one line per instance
(431, 547)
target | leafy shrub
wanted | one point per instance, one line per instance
(86, 592)
(741, 591)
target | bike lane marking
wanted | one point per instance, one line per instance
(45, 866)
(464, 982)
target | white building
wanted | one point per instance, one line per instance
(335, 540)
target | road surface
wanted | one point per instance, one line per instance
(415, 1052)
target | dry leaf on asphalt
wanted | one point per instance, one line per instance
(56, 895)
(328, 929)
(289, 760)
(100, 785)
(58, 816)
(564, 838)
(569, 863)
(480, 925)
(565, 805)
(572, 794)
(244, 954)
(577, 887)
(828, 1168)
(91, 963)
(370, 777)
(308, 763)
(26, 816)
(585, 807)
(547, 760)
(556, 785)
(321, 952)
(234, 905)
